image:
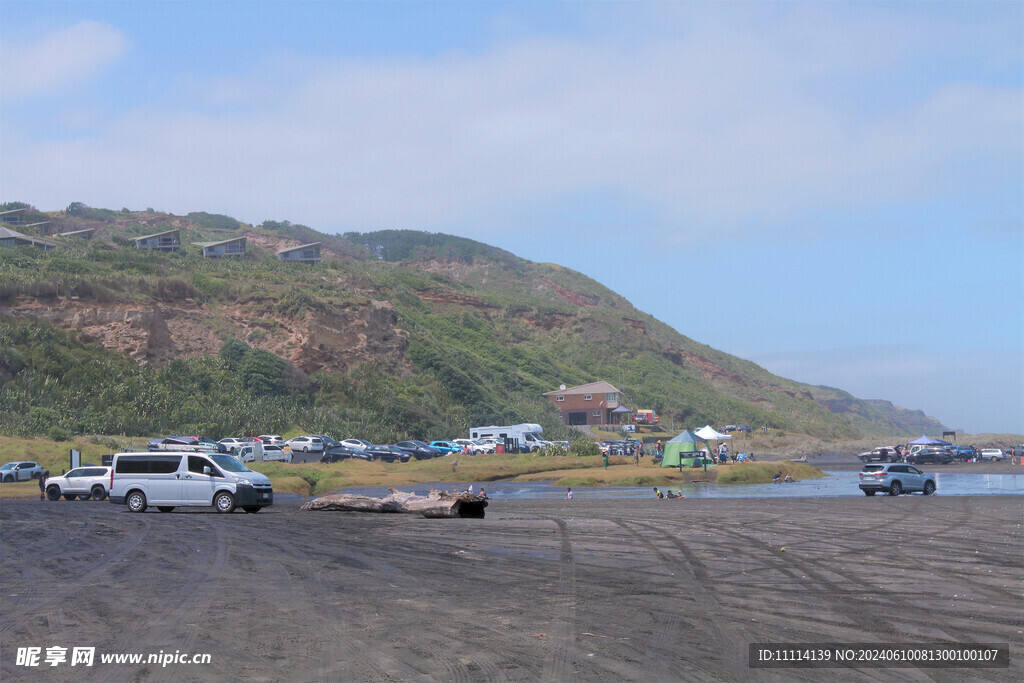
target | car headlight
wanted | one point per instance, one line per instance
(244, 482)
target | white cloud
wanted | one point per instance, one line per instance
(721, 125)
(62, 58)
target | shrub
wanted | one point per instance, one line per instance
(57, 433)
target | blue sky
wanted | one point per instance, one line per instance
(832, 190)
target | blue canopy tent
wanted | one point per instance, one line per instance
(928, 441)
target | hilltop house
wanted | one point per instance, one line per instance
(85, 234)
(231, 247)
(587, 404)
(169, 240)
(304, 253)
(13, 238)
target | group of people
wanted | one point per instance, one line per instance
(668, 493)
(778, 478)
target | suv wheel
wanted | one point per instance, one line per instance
(53, 492)
(895, 488)
(98, 493)
(929, 488)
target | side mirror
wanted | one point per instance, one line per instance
(207, 470)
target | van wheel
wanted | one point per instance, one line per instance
(164, 508)
(53, 492)
(98, 493)
(136, 501)
(224, 502)
(253, 508)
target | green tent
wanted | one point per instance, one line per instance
(681, 450)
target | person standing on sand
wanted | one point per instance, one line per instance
(568, 493)
(605, 455)
(42, 484)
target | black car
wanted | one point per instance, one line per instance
(419, 450)
(931, 456)
(388, 453)
(329, 442)
(339, 453)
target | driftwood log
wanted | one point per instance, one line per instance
(434, 504)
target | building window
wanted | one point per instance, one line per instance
(587, 397)
(559, 398)
(610, 397)
(597, 413)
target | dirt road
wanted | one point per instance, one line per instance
(651, 590)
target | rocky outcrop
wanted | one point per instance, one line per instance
(157, 334)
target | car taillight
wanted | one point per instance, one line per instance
(879, 474)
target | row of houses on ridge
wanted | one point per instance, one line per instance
(168, 240)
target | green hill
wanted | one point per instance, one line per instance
(393, 334)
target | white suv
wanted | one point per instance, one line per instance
(81, 482)
(305, 444)
(992, 454)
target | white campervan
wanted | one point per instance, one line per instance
(526, 435)
(168, 480)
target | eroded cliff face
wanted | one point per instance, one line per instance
(158, 333)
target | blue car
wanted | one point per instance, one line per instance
(446, 446)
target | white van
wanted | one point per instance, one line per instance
(168, 480)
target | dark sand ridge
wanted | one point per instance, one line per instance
(650, 590)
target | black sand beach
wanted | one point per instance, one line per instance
(650, 590)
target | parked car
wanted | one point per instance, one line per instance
(329, 441)
(992, 454)
(446, 446)
(387, 453)
(356, 444)
(471, 447)
(270, 439)
(880, 454)
(490, 444)
(342, 452)
(964, 453)
(167, 480)
(895, 479)
(231, 442)
(418, 449)
(305, 444)
(89, 482)
(20, 471)
(277, 452)
(930, 456)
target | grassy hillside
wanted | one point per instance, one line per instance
(394, 334)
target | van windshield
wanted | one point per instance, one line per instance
(229, 463)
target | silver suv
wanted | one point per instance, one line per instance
(20, 471)
(81, 482)
(895, 479)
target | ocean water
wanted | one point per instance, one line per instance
(834, 484)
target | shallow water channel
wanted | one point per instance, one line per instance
(834, 484)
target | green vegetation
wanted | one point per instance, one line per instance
(487, 334)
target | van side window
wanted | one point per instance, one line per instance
(164, 464)
(196, 464)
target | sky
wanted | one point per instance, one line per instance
(832, 190)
